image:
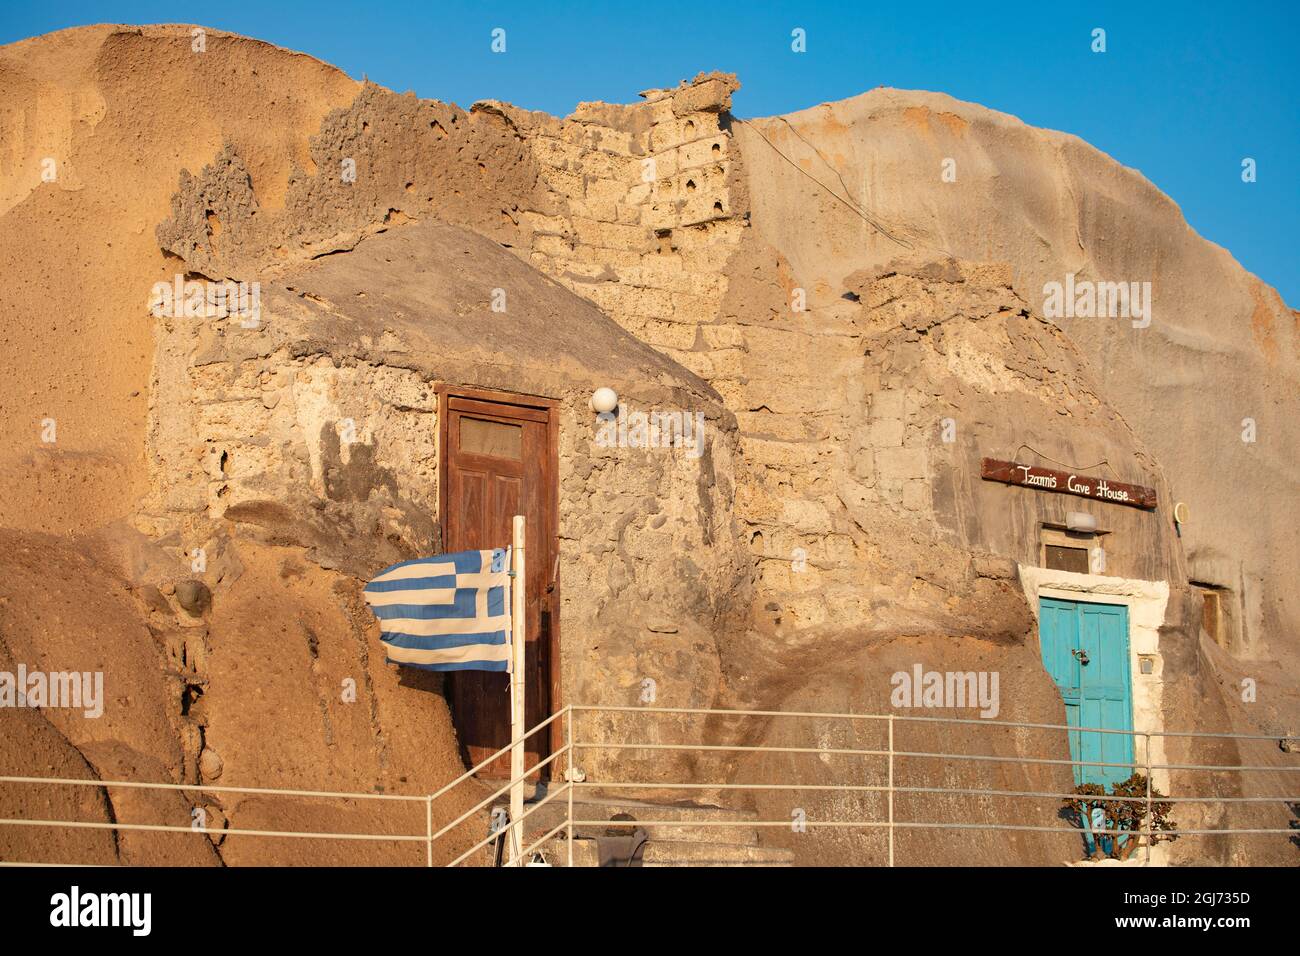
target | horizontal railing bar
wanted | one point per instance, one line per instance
(1180, 766)
(731, 786)
(78, 866)
(1090, 730)
(1089, 763)
(945, 720)
(1077, 830)
(675, 822)
(651, 785)
(132, 784)
(994, 758)
(779, 750)
(1091, 798)
(896, 823)
(86, 825)
(738, 713)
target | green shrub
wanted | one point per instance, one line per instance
(1125, 815)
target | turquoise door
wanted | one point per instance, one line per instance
(1085, 649)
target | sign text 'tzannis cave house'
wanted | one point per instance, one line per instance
(1047, 479)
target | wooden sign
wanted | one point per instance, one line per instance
(1048, 479)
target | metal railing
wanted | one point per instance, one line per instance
(205, 830)
(628, 750)
(892, 754)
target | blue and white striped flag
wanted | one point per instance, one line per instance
(450, 612)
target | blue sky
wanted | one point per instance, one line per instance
(1184, 92)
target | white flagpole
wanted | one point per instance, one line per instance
(518, 610)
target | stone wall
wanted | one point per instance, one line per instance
(259, 439)
(347, 450)
(648, 213)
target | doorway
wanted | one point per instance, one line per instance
(500, 459)
(1085, 649)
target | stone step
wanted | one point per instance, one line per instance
(693, 825)
(663, 853)
(735, 832)
(679, 853)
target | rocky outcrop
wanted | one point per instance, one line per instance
(1220, 347)
(119, 112)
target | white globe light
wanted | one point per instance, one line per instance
(1080, 521)
(604, 400)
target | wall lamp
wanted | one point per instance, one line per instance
(604, 400)
(1080, 521)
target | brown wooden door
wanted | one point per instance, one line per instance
(499, 463)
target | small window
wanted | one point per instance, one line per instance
(1065, 550)
(479, 436)
(1216, 613)
(1059, 558)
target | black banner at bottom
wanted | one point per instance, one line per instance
(334, 906)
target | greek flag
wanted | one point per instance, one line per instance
(450, 612)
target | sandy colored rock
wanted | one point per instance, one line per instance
(210, 764)
(194, 596)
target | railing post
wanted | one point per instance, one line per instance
(428, 830)
(568, 736)
(1149, 819)
(891, 789)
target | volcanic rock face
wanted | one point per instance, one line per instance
(120, 111)
(855, 336)
(1220, 346)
